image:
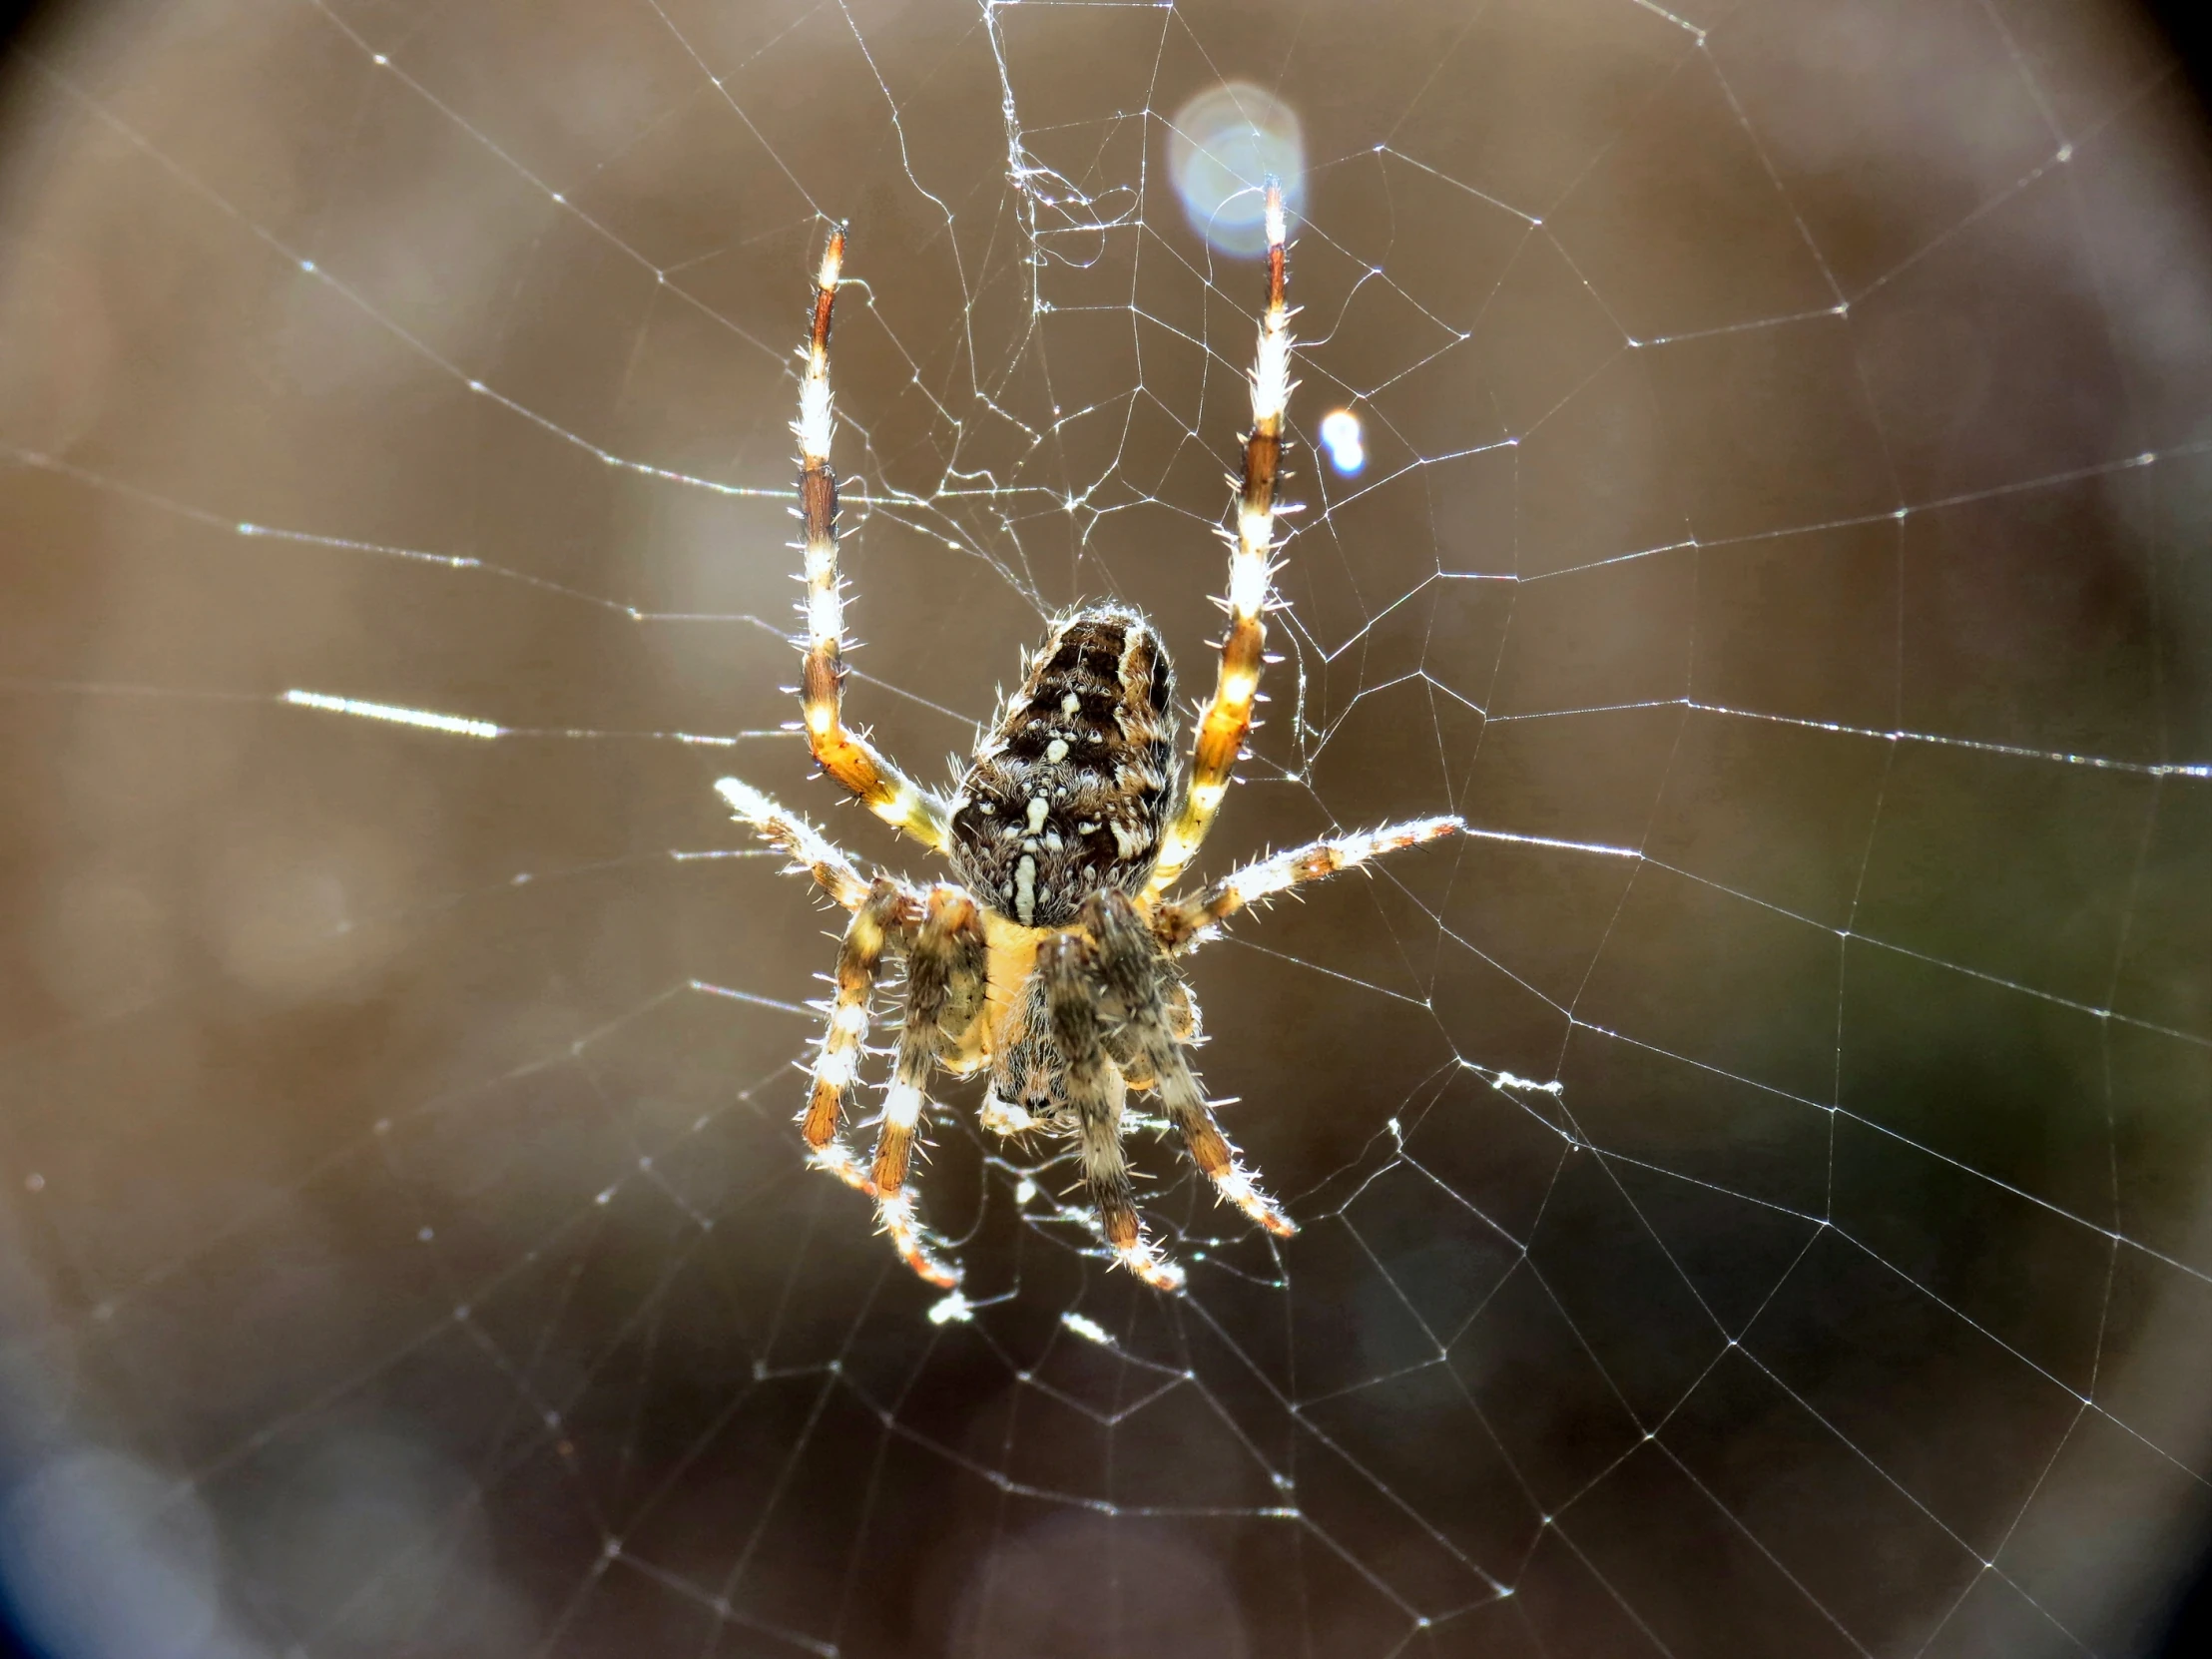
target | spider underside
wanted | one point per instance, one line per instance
(1052, 962)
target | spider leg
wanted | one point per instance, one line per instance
(1185, 922)
(945, 975)
(844, 753)
(1130, 963)
(1227, 720)
(1095, 1090)
(809, 849)
(1182, 1026)
(885, 915)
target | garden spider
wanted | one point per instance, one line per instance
(1052, 962)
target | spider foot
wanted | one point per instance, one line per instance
(1125, 1234)
(913, 1243)
(838, 1159)
(1236, 1187)
(1149, 1265)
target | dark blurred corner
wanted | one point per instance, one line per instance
(2188, 28)
(2189, 31)
(15, 17)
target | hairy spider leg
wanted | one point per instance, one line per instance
(1095, 1090)
(844, 753)
(1227, 719)
(1182, 1026)
(882, 918)
(810, 850)
(878, 922)
(1185, 922)
(1130, 964)
(944, 987)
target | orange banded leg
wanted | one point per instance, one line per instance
(887, 910)
(944, 976)
(1188, 921)
(844, 753)
(1095, 1090)
(1227, 719)
(1129, 963)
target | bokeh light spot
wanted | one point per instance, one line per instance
(1223, 147)
(1339, 435)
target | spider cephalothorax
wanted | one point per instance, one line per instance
(1052, 962)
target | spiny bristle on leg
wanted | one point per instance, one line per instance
(1186, 921)
(1234, 1185)
(809, 849)
(1217, 1161)
(1149, 1265)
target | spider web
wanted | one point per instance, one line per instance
(1753, 1189)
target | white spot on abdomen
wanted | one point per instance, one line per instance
(1025, 889)
(1056, 750)
(1037, 810)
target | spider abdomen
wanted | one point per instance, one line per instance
(1071, 790)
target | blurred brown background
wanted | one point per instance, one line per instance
(1790, 442)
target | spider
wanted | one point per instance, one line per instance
(1052, 962)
